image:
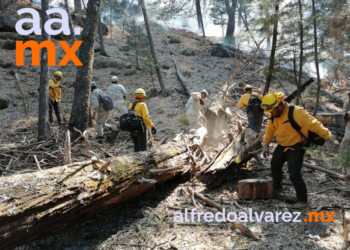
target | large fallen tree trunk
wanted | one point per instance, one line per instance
(36, 204)
(335, 99)
(240, 150)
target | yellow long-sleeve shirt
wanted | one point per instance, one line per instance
(54, 90)
(142, 111)
(286, 135)
(245, 99)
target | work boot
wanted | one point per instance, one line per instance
(100, 139)
(114, 133)
(299, 205)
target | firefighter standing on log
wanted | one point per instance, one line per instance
(253, 108)
(194, 106)
(291, 145)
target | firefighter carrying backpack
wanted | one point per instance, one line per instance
(312, 138)
(130, 121)
(254, 104)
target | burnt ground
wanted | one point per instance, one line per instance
(117, 226)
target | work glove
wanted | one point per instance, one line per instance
(154, 131)
(201, 101)
(332, 144)
(59, 100)
(265, 150)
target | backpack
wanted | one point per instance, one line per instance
(312, 138)
(106, 101)
(254, 104)
(130, 121)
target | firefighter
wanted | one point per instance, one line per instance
(117, 92)
(290, 146)
(100, 114)
(346, 109)
(139, 137)
(253, 110)
(194, 106)
(55, 96)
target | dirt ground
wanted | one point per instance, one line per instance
(154, 210)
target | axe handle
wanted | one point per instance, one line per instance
(150, 135)
(64, 119)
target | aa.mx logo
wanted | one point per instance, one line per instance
(49, 45)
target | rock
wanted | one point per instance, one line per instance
(174, 39)
(102, 62)
(125, 48)
(166, 64)
(223, 51)
(132, 71)
(4, 64)
(188, 52)
(4, 102)
(9, 45)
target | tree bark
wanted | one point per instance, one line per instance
(100, 33)
(316, 59)
(199, 17)
(80, 108)
(80, 192)
(150, 40)
(77, 6)
(301, 50)
(231, 12)
(43, 127)
(273, 49)
(71, 26)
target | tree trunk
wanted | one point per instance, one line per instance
(77, 6)
(316, 59)
(43, 127)
(199, 17)
(301, 50)
(255, 189)
(80, 108)
(273, 49)
(150, 40)
(231, 12)
(293, 95)
(80, 192)
(100, 33)
(71, 26)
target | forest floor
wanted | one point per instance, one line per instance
(154, 210)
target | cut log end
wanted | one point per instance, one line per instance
(255, 189)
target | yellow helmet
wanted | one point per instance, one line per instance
(247, 87)
(140, 93)
(269, 102)
(58, 73)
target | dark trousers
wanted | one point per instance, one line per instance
(139, 139)
(253, 120)
(54, 105)
(294, 158)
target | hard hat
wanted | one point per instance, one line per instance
(93, 84)
(140, 93)
(114, 79)
(58, 73)
(247, 87)
(205, 92)
(269, 102)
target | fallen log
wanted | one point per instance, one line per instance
(34, 205)
(331, 119)
(346, 227)
(232, 156)
(294, 95)
(334, 99)
(255, 189)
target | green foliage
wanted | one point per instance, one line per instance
(342, 159)
(218, 14)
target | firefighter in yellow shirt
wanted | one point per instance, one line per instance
(55, 96)
(253, 110)
(139, 137)
(290, 147)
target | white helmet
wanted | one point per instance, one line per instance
(114, 79)
(205, 92)
(93, 84)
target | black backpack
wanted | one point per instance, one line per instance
(130, 121)
(312, 138)
(106, 101)
(254, 104)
